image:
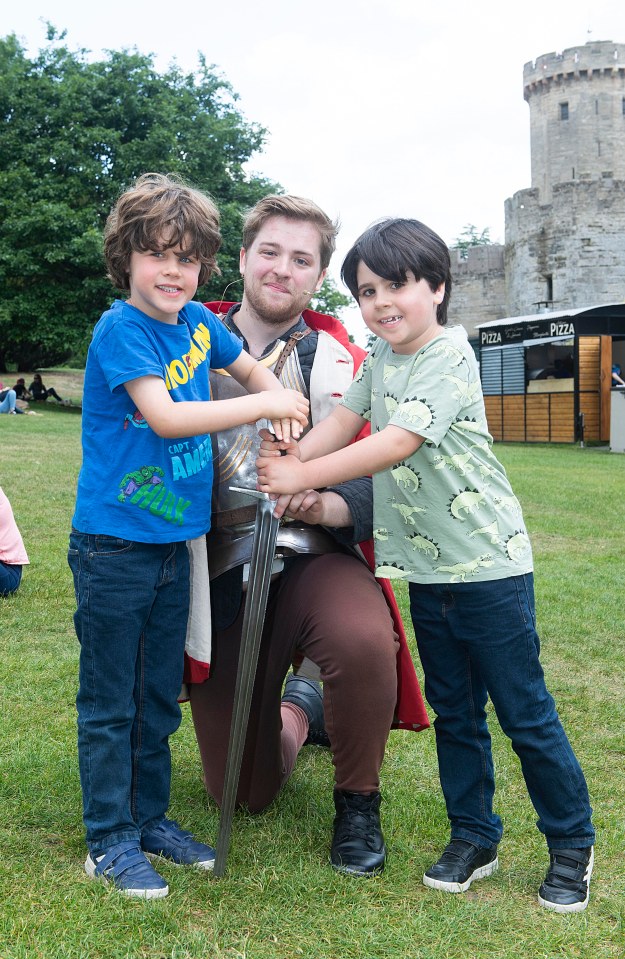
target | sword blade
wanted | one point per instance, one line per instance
(263, 548)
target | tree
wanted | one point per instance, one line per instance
(73, 135)
(470, 237)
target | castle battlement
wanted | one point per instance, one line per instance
(593, 60)
(565, 234)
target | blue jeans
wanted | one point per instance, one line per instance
(477, 640)
(7, 405)
(131, 621)
(10, 578)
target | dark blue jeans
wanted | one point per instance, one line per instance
(477, 640)
(10, 578)
(131, 620)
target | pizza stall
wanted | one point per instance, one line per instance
(547, 377)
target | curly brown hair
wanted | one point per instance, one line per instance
(157, 213)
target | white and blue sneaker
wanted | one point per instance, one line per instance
(125, 866)
(177, 845)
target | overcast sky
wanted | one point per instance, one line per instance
(396, 107)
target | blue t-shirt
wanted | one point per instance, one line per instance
(133, 483)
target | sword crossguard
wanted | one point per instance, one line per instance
(254, 493)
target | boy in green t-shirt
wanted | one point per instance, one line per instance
(447, 521)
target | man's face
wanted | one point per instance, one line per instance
(282, 269)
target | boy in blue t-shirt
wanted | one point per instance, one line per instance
(447, 522)
(144, 489)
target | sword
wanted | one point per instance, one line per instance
(263, 546)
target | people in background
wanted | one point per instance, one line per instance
(7, 400)
(39, 392)
(21, 392)
(13, 555)
(617, 380)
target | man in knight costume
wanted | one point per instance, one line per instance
(327, 615)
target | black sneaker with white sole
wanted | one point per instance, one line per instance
(566, 887)
(460, 864)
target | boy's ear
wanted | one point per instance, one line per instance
(439, 294)
(242, 261)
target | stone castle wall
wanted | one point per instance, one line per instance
(576, 115)
(478, 286)
(568, 253)
(565, 236)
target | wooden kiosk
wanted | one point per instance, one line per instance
(547, 378)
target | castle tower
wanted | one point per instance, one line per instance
(577, 115)
(565, 236)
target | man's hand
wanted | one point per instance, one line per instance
(307, 506)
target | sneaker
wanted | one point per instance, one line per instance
(566, 887)
(125, 866)
(171, 842)
(358, 844)
(308, 695)
(460, 864)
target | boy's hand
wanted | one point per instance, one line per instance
(288, 412)
(272, 446)
(281, 474)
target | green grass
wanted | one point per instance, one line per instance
(280, 899)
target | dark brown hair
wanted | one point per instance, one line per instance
(392, 247)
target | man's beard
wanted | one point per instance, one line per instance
(275, 315)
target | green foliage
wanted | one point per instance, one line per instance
(74, 133)
(470, 237)
(279, 898)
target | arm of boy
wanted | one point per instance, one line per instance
(256, 378)
(287, 409)
(326, 459)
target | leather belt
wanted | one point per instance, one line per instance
(233, 517)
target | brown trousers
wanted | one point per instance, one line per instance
(331, 609)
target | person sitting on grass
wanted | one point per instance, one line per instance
(39, 392)
(143, 491)
(20, 390)
(22, 396)
(13, 554)
(447, 522)
(8, 401)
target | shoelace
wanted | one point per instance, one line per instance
(357, 823)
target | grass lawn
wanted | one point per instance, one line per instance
(280, 899)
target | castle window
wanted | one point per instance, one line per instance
(564, 111)
(624, 106)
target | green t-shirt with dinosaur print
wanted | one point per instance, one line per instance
(447, 514)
